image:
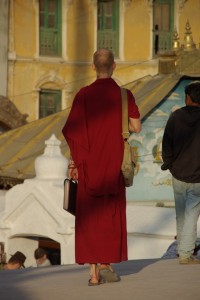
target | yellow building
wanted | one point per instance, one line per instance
(51, 43)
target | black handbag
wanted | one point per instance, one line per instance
(70, 190)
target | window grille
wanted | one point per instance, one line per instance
(108, 25)
(50, 27)
(49, 102)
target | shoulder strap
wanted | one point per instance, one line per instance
(125, 131)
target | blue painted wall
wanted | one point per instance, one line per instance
(150, 182)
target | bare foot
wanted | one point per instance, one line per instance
(106, 266)
(94, 274)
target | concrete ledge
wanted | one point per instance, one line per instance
(150, 279)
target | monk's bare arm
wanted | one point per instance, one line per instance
(134, 125)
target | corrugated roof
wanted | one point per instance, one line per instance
(149, 92)
(19, 147)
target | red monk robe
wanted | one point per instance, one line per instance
(93, 132)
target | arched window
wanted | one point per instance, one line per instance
(49, 102)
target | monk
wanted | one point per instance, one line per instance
(93, 132)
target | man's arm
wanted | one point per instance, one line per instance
(167, 145)
(134, 125)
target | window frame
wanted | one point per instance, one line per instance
(53, 35)
(43, 107)
(104, 33)
(163, 39)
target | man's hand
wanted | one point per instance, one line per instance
(134, 125)
(73, 173)
(72, 170)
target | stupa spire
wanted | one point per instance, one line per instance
(188, 40)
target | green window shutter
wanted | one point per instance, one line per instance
(108, 25)
(49, 102)
(50, 27)
(163, 25)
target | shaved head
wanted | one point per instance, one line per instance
(103, 60)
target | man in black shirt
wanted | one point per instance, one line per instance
(181, 155)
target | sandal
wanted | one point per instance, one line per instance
(92, 283)
(95, 275)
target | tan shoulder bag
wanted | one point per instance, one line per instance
(128, 163)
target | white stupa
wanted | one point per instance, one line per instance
(34, 209)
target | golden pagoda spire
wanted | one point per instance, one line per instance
(176, 45)
(188, 40)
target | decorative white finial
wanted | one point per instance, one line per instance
(52, 164)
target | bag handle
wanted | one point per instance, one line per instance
(125, 131)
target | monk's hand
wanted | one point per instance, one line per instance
(72, 170)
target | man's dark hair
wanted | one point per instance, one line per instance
(39, 252)
(193, 90)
